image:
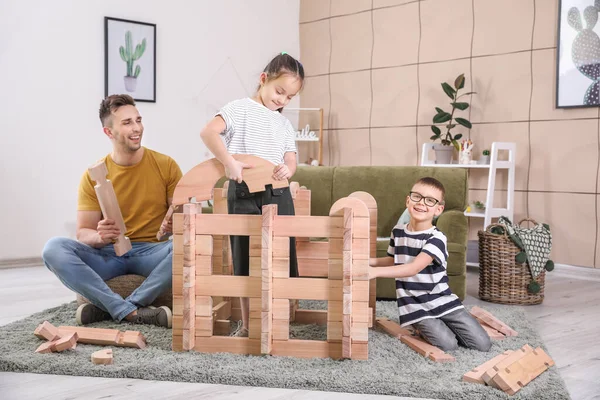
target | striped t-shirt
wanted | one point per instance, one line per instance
(252, 128)
(427, 294)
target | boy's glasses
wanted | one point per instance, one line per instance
(429, 201)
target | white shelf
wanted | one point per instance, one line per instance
(495, 164)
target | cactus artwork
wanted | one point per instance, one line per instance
(586, 49)
(129, 55)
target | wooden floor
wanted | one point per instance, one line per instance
(568, 321)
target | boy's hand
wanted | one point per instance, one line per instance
(373, 273)
(281, 172)
(372, 262)
(234, 169)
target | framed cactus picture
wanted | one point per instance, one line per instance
(578, 54)
(130, 59)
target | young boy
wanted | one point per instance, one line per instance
(417, 259)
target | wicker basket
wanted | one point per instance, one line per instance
(501, 278)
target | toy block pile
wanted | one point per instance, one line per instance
(66, 337)
(511, 370)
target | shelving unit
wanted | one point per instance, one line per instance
(494, 165)
(317, 139)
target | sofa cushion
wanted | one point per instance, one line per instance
(320, 182)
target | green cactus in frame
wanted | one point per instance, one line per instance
(129, 55)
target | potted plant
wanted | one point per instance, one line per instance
(129, 55)
(449, 141)
(485, 157)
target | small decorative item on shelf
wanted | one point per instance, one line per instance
(465, 156)
(477, 205)
(306, 133)
(444, 151)
(485, 157)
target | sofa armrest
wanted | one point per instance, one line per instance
(455, 226)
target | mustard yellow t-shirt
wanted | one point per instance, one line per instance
(142, 191)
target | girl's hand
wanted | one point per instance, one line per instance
(281, 172)
(234, 170)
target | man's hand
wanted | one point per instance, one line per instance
(166, 228)
(107, 231)
(281, 172)
(234, 169)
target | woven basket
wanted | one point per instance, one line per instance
(124, 285)
(501, 278)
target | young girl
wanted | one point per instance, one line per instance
(256, 126)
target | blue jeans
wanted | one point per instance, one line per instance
(450, 330)
(84, 270)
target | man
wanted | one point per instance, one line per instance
(144, 182)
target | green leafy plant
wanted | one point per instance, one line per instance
(486, 152)
(447, 138)
(129, 55)
(479, 205)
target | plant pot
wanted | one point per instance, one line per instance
(443, 154)
(130, 83)
(484, 160)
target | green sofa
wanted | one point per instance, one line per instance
(390, 186)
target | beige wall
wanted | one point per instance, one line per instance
(376, 66)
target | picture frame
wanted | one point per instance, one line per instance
(130, 59)
(578, 54)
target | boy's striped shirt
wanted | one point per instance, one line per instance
(427, 294)
(252, 128)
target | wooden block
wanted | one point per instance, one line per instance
(227, 344)
(68, 341)
(204, 306)
(281, 309)
(336, 248)
(318, 317)
(360, 331)
(229, 285)
(204, 265)
(221, 327)
(426, 349)
(347, 303)
(204, 245)
(177, 262)
(476, 374)
(518, 374)
(109, 205)
(360, 291)
(254, 328)
(46, 331)
(361, 249)
(360, 351)
(222, 310)
(392, 328)
(306, 349)
(103, 337)
(335, 269)
(177, 305)
(312, 250)
(177, 343)
(256, 267)
(301, 226)
(255, 243)
(307, 288)
(46, 347)
(230, 224)
(102, 357)
(357, 206)
(281, 267)
(204, 324)
(492, 333)
(347, 325)
(348, 216)
(346, 347)
(492, 321)
(347, 271)
(489, 375)
(281, 329)
(281, 247)
(334, 331)
(255, 308)
(312, 268)
(361, 312)
(334, 311)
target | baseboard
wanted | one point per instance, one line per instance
(21, 262)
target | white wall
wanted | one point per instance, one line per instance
(52, 81)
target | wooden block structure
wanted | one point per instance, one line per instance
(511, 370)
(109, 205)
(205, 294)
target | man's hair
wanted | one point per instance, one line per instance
(112, 104)
(434, 183)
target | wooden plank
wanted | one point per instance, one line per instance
(426, 349)
(307, 288)
(476, 374)
(227, 344)
(313, 268)
(222, 310)
(230, 224)
(360, 248)
(518, 374)
(104, 337)
(268, 213)
(229, 286)
(47, 331)
(492, 321)
(204, 264)
(281, 329)
(190, 211)
(313, 250)
(334, 311)
(281, 309)
(392, 328)
(301, 226)
(489, 375)
(204, 245)
(307, 349)
(335, 332)
(204, 306)
(221, 327)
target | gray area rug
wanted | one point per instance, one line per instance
(392, 368)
